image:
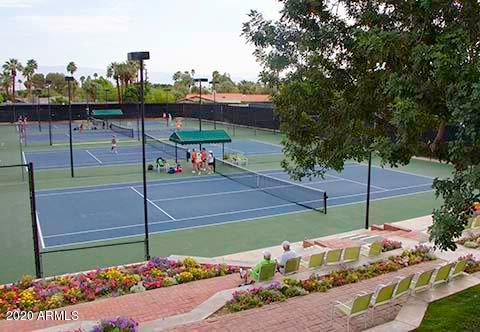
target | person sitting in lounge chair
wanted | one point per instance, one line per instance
(253, 273)
(162, 165)
(287, 254)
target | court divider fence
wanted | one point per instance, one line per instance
(257, 117)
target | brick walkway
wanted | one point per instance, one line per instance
(142, 307)
(308, 313)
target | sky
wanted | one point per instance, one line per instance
(180, 34)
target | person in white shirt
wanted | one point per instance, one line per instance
(287, 254)
(210, 162)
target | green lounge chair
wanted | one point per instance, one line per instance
(359, 305)
(403, 286)
(459, 269)
(375, 249)
(476, 222)
(334, 256)
(469, 223)
(382, 295)
(423, 281)
(316, 260)
(266, 272)
(442, 274)
(351, 254)
(292, 265)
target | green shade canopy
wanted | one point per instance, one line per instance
(107, 112)
(200, 137)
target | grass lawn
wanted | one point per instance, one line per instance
(458, 312)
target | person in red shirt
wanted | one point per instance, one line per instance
(204, 155)
(193, 156)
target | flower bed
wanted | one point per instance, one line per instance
(388, 245)
(38, 295)
(119, 324)
(471, 241)
(277, 292)
(473, 265)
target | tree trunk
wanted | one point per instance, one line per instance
(439, 138)
(118, 91)
(13, 87)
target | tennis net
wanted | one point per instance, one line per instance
(299, 194)
(122, 130)
(165, 147)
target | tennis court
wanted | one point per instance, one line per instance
(128, 154)
(80, 215)
(92, 135)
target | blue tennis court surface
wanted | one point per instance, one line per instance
(92, 135)
(129, 154)
(80, 215)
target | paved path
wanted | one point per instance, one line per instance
(308, 313)
(142, 307)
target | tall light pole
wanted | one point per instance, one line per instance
(369, 177)
(214, 83)
(49, 83)
(69, 79)
(38, 92)
(200, 80)
(106, 95)
(140, 57)
(167, 90)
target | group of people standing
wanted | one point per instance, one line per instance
(22, 124)
(202, 161)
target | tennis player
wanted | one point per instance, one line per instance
(211, 161)
(114, 145)
(198, 163)
(204, 156)
(193, 155)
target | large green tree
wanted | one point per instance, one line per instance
(38, 81)
(358, 76)
(223, 83)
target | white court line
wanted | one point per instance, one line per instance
(37, 220)
(266, 143)
(128, 185)
(91, 154)
(155, 205)
(170, 221)
(232, 212)
(226, 222)
(398, 171)
(236, 191)
(353, 181)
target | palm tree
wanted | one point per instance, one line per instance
(95, 75)
(6, 82)
(113, 71)
(28, 72)
(82, 80)
(72, 68)
(133, 70)
(13, 66)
